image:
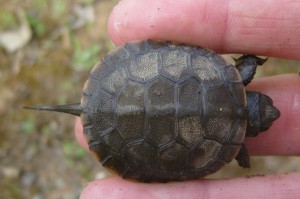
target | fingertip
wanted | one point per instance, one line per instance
(121, 27)
(114, 26)
(92, 190)
(139, 20)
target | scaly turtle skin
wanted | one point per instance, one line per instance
(158, 111)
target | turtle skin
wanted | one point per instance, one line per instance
(159, 111)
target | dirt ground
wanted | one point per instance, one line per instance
(57, 44)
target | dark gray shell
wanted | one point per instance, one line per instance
(157, 111)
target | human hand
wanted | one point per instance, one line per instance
(251, 27)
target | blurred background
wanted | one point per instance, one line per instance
(47, 48)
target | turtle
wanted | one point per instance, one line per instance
(159, 111)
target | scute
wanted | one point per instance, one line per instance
(114, 140)
(174, 64)
(130, 111)
(189, 110)
(158, 111)
(227, 151)
(135, 155)
(237, 134)
(218, 101)
(90, 86)
(115, 81)
(116, 56)
(239, 96)
(218, 128)
(190, 130)
(205, 153)
(100, 110)
(114, 164)
(232, 74)
(173, 158)
(205, 69)
(136, 48)
(161, 111)
(144, 67)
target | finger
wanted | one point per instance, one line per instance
(257, 27)
(283, 137)
(274, 186)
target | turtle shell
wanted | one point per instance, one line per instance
(158, 111)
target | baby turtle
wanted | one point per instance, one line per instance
(159, 111)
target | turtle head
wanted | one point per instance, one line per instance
(261, 114)
(73, 109)
(268, 112)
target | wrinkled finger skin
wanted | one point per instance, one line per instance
(261, 187)
(269, 28)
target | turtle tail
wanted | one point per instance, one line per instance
(73, 109)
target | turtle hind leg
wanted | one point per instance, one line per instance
(246, 65)
(243, 157)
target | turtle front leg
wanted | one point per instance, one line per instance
(246, 65)
(243, 157)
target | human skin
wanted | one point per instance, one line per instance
(261, 27)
